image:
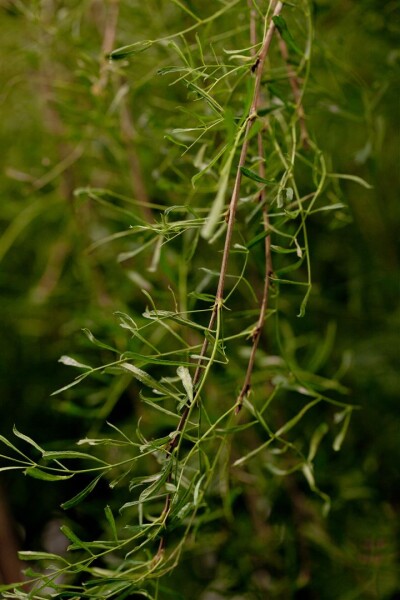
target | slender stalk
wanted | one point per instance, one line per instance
(258, 68)
(267, 250)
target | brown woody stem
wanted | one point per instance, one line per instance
(252, 115)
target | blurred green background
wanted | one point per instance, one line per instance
(57, 134)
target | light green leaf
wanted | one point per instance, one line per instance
(71, 362)
(96, 342)
(339, 439)
(111, 521)
(60, 454)
(72, 384)
(354, 178)
(318, 434)
(145, 378)
(32, 555)
(125, 51)
(292, 422)
(217, 208)
(27, 439)
(37, 473)
(186, 378)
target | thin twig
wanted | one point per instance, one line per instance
(218, 304)
(259, 66)
(244, 392)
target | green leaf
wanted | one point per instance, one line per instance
(27, 439)
(292, 422)
(96, 342)
(186, 378)
(145, 378)
(82, 494)
(111, 521)
(255, 177)
(344, 416)
(10, 445)
(167, 314)
(37, 473)
(32, 555)
(354, 178)
(282, 27)
(77, 543)
(60, 454)
(125, 51)
(71, 362)
(207, 97)
(318, 434)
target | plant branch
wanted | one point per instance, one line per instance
(267, 250)
(258, 69)
(252, 115)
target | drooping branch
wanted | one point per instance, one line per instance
(252, 115)
(257, 68)
(267, 251)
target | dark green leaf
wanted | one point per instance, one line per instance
(282, 27)
(255, 177)
(82, 494)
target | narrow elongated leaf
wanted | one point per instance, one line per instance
(32, 555)
(282, 27)
(60, 454)
(125, 51)
(339, 439)
(97, 342)
(27, 439)
(163, 314)
(111, 521)
(186, 378)
(82, 494)
(72, 383)
(318, 434)
(71, 362)
(290, 424)
(37, 473)
(77, 543)
(145, 378)
(354, 178)
(255, 177)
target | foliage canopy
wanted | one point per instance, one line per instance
(186, 178)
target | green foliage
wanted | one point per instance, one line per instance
(190, 217)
